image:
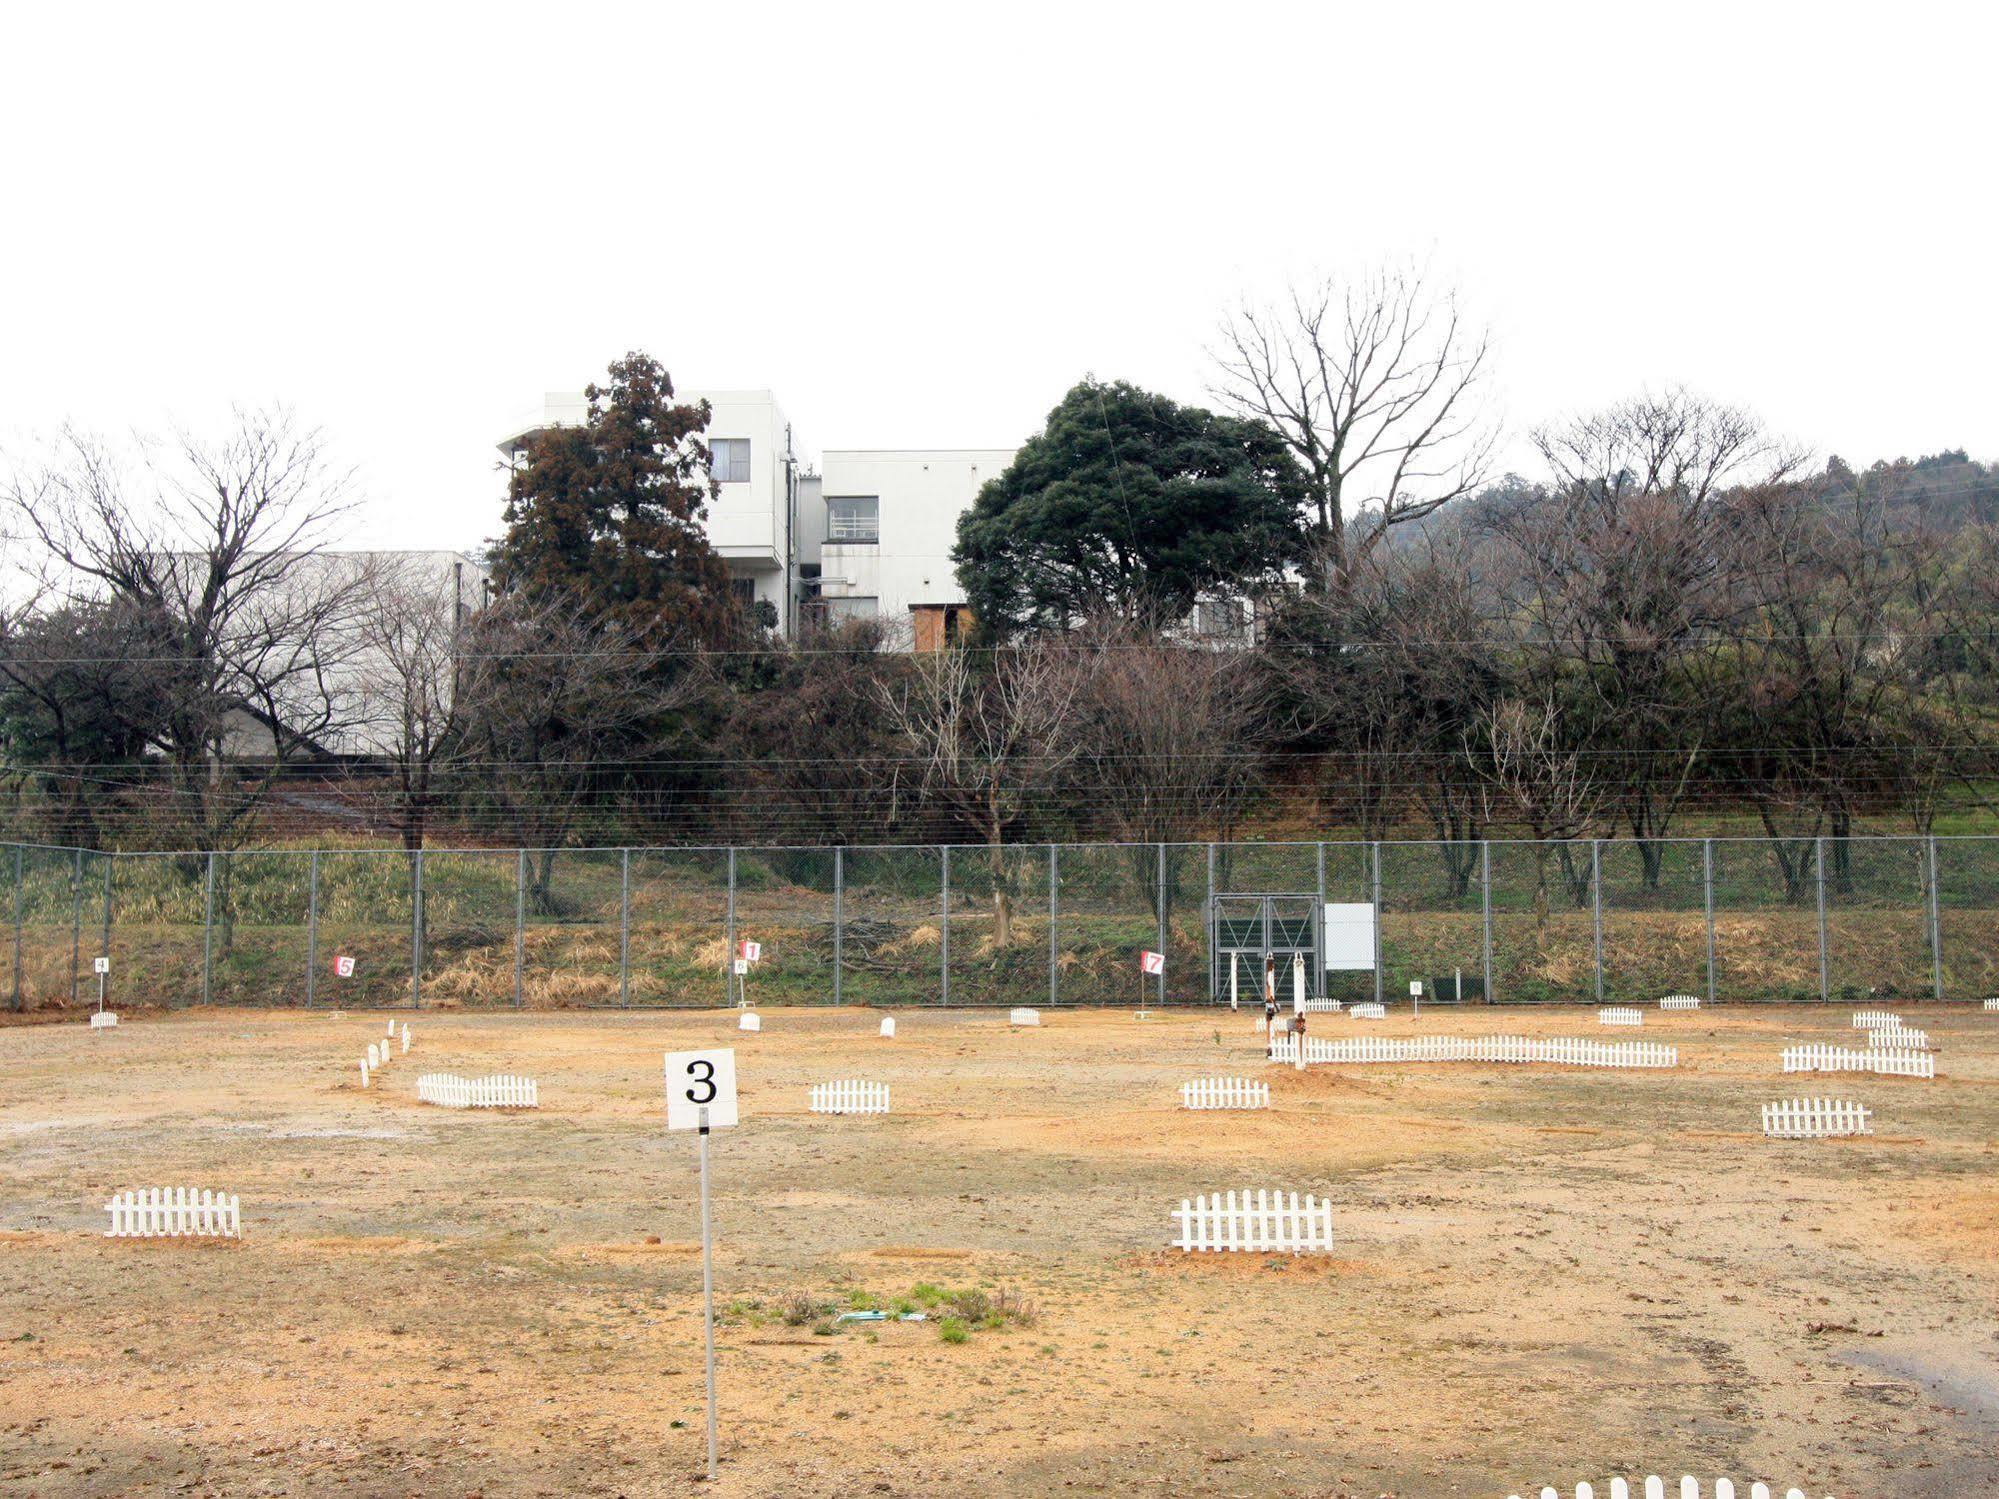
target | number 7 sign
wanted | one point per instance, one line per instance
(698, 1080)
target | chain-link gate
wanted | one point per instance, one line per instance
(1245, 930)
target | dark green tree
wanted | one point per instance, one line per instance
(1126, 504)
(608, 517)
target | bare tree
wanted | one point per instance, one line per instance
(1628, 566)
(216, 547)
(1547, 783)
(559, 709)
(1377, 385)
(412, 714)
(992, 741)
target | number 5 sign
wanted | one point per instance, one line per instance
(697, 1080)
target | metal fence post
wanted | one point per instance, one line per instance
(311, 927)
(1936, 924)
(944, 947)
(1707, 908)
(105, 950)
(1825, 976)
(208, 934)
(1380, 957)
(1054, 951)
(1160, 988)
(624, 926)
(19, 888)
(1208, 927)
(416, 932)
(839, 921)
(729, 957)
(520, 920)
(1485, 908)
(75, 924)
(1596, 912)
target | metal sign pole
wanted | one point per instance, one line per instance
(708, 1293)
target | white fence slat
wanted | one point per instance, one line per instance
(1620, 1015)
(1367, 1012)
(1562, 1050)
(849, 1096)
(1884, 1061)
(504, 1092)
(1688, 1487)
(1875, 1020)
(1992, 1004)
(1224, 1093)
(176, 1212)
(1261, 1222)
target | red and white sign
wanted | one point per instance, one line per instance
(751, 951)
(344, 966)
(1152, 962)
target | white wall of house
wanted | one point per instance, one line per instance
(919, 494)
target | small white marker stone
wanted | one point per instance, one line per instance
(750, 1022)
(888, 1026)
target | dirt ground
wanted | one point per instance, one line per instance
(1543, 1274)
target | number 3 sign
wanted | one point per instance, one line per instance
(697, 1080)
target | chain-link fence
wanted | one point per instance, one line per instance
(1504, 921)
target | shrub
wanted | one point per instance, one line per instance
(951, 1330)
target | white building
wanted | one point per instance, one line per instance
(891, 521)
(869, 537)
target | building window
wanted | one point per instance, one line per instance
(1222, 619)
(840, 610)
(854, 522)
(729, 460)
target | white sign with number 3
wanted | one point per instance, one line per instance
(697, 1080)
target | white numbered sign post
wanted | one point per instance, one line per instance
(101, 967)
(701, 1095)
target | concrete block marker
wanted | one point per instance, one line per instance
(1263, 1222)
(1680, 1002)
(1620, 1015)
(1815, 1119)
(174, 1213)
(1655, 1488)
(1024, 1017)
(103, 1020)
(1224, 1093)
(451, 1092)
(751, 1021)
(888, 1026)
(849, 1096)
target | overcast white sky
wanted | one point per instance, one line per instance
(919, 225)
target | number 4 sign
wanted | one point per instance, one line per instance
(1152, 962)
(697, 1080)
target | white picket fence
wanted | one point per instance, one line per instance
(1620, 1015)
(1655, 1488)
(1887, 1062)
(1024, 1017)
(1565, 1051)
(849, 1096)
(103, 1020)
(174, 1212)
(1815, 1118)
(478, 1092)
(1224, 1093)
(1263, 1222)
(1322, 1007)
(1900, 1036)
(1875, 1020)
(1992, 1004)
(1680, 1002)
(1367, 1012)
